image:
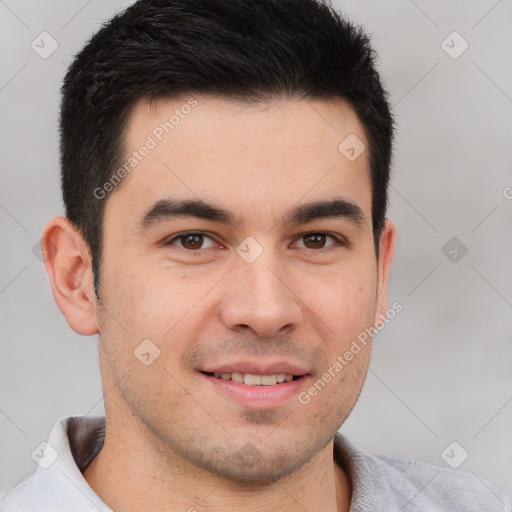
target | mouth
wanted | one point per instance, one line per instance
(251, 379)
(254, 386)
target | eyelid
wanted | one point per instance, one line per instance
(339, 240)
(183, 234)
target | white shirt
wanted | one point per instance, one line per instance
(380, 483)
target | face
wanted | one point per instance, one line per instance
(238, 246)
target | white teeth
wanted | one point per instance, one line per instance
(238, 377)
(250, 379)
(268, 380)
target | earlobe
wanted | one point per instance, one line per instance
(68, 264)
(386, 250)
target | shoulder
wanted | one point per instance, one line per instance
(57, 483)
(447, 489)
(23, 496)
(409, 485)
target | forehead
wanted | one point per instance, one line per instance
(248, 157)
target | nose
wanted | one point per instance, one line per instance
(260, 296)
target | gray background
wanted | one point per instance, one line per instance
(441, 370)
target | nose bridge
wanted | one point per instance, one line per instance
(258, 268)
(263, 276)
(260, 296)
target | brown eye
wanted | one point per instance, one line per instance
(191, 241)
(318, 240)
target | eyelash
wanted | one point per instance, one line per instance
(338, 240)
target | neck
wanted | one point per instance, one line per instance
(123, 468)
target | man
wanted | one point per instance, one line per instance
(225, 167)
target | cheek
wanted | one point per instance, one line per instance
(169, 299)
(148, 299)
(344, 300)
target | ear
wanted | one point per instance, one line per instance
(68, 264)
(386, 249)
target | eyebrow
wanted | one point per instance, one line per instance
(171, 208)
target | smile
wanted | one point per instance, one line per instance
(251, 379)
(262, 390)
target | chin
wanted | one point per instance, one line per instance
(257, 465)
(263, 471)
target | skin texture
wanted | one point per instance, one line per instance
(302, 301)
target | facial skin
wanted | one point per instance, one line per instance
(170, 429)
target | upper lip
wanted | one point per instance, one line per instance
(257, 368)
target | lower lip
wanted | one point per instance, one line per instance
(257, 397)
